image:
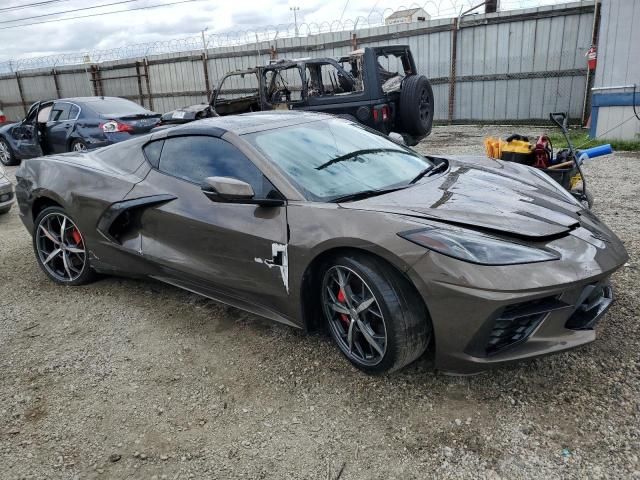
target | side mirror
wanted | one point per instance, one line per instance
(226, 189)
(232, 190)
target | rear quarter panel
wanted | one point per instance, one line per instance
(82, 186)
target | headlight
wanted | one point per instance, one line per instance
(476, 247)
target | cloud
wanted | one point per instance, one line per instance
(162, 24)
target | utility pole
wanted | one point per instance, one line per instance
(295, 17)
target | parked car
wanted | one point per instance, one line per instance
(73, 124)
(6, 192)
(314, 221)
(377, 86)
(3, 118)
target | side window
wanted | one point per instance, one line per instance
(195, 158)
(59, 112)
(152, 151)
(74, 111)
(283, 85)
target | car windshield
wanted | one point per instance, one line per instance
(333, 159)
(116, 107)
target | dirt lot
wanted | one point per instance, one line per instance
(134, 379)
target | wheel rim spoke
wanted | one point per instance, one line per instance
(365, 305)
(71, 249)
(338, 308)
(52, 255)
(368, 336)
(350, 337)
(49, 235)
(65, 262)
(62, 228)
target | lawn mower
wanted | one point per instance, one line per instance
(564, 167)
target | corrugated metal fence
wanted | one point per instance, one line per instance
(509, 66)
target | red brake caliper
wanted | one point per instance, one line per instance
(76, 236)
(342, 299)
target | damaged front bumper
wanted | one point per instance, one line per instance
(489, 316)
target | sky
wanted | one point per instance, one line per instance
(107, 31)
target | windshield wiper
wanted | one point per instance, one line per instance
(442, 166)
(357, 153)
(421, 174)
(364, 194)
(431, 170)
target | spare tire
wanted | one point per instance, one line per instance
(416, 105)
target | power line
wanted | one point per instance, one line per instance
(98, 14)
(27, 5)
(69, 11)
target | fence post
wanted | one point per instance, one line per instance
(139, 78)
(148, 82)
(54, 74)
(19, 82)
(452, 73)
(354, 42)
(205, 66)
(96, 80)
(586, 104)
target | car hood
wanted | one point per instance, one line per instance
(486, 194)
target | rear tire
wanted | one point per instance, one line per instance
(7, 157)
(416, 105)
(5, 210)
(395, 319)
(60, 248)
(78, 146)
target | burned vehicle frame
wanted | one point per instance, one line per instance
(356, 86)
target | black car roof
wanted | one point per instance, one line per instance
(243, 124)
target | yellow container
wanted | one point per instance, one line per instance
(519, 151)
(493, 146)
(517, 146)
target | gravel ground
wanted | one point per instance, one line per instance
(134, 379)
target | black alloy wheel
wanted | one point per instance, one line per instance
(60, 248)
(373, 313)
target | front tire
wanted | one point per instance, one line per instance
(373, 313)
(5, 210)
(60, 248)
(7, 157)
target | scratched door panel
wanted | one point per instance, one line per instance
(222, 247)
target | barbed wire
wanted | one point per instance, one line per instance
(269, 33)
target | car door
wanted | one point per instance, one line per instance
(61, 123)
(239, 250)
(26, 135)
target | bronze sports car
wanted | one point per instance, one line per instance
(318, 222)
